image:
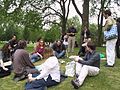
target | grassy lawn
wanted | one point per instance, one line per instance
(108, 79)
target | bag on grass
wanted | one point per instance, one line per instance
(70, 71)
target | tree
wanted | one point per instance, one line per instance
(99, 7)
(51, 12)
(85, 15)
(52, 34)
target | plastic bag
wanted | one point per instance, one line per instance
(70, 71)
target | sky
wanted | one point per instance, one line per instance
(79, 3)
(73, 12)
(93, 19)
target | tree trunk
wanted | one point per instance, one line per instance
(63, 26)
(85, 15)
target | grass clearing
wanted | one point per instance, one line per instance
(108, 79)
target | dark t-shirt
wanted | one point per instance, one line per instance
(71, 30)
(57, 48)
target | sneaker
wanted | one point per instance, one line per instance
(19, 78)
(76, 75)
(75, 83)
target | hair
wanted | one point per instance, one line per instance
(48, 52)
(39, 39)
(107, 12)
(118, 20)
(5, 48)
(22, 44)
(91, 45)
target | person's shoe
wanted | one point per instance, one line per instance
(19, 78)
(75, 83)
(106, 65)
(76, 75)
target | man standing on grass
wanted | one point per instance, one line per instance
(118, 40)
(71, 38)
(89, 65)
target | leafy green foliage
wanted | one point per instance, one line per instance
(52, 34)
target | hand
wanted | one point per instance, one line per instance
(76, 59)
(30, 79)
(5, 69)
(29, 75)
(73, 33)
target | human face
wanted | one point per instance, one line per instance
(58, 43)
(9, 47)
(14, 37)
(41, 42)
(105, 15)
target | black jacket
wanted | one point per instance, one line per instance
(91, 59)
(118, 29)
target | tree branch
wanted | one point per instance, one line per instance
(57, 13)
(68, 9)
(76, 8)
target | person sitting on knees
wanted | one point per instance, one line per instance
(22, 65)
(49, 74)
(89, 65)
(59, 49)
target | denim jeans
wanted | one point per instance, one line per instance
(34, 57)
(60, 55)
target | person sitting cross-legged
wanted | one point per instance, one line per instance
(39, 51)
(49, 74)
(89, 65)
(59, 49)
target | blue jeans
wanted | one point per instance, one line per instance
(34, 57)
(60, 54)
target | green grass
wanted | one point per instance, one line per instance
(108, 79)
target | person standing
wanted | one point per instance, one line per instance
(71, 38)
(110, 44)
(118, 40)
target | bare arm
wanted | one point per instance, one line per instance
(2, 65)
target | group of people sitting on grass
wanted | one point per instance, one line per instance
(14, 57)
(48, 73)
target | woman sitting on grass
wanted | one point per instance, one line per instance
(22, 65)
(39, 50)
(49, 74)
(5, 60)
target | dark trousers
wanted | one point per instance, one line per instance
(81, 51)
(40, 84)
(117, 51)
(4, 73)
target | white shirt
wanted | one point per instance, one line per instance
(50, 67)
